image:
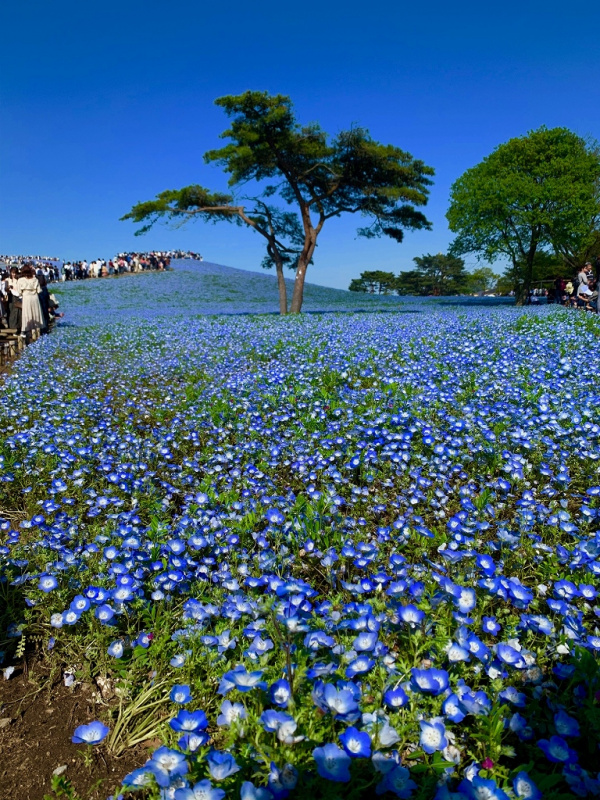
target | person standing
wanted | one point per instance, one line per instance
(32, 318)
(15, 301)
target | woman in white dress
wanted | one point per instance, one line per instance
(29, 287)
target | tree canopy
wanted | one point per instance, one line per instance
(539, 192)
(315, 176)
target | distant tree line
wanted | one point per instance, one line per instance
(437, 275)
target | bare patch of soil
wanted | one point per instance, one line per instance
(37, 720)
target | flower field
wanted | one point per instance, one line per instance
(343, 555)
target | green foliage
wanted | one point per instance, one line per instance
(435, 275)
(482, 279)
(374, 282)
(534, 193)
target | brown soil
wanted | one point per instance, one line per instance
(37, 720)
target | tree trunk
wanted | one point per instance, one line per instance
(522, 289)
(281, 286)
(298, 294)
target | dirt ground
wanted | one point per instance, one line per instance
(37, 720)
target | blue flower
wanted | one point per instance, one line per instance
(411, 615)
(565, 725)
(116, 649)
(356, 743)
(557, 750)
(249, 791)
(47, 583)
(92, 733)
(221, 764)
(360, 666)
(167, 764)
(274, 516)
(395, 698)
(181, 694)
(192, 741)
(433, 736)
(332, 763)
(429, 681)
(525, 788)
(239, 679)
(397, 780)
(230, 712)
(479, 788)
(189, 721)
(203, 790)
(280, 693)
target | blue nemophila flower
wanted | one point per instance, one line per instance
(47, 583)
(429, 681)
(356, 743)
(491, 626)
(397, 780)
(333, 763)
(92, 733)
(433, 735)
(180, 693)
(230, 712)
(189, 721)
(192, 741)
(317, 639)
(557, 750)
(203, 790)
(282, 780)
(116, 649)
(280, 693)
(478, 788)
(411, 615)
(238, 678)
(221, 765)
(340, 702)
(139, 778)
(365, 641)
(167, 764)
(249, 791)
(104, 613)
(453, 708)
(274, 516)
(525, 788)
(359, 666)
(565, 725)
(395, 698)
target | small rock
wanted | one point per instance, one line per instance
(106, 687)
(60, 770)
(5, 722)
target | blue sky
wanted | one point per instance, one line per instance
(103, 105)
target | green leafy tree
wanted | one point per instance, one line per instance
(481, 280)
(374, 281)
(411, 282)
(533, 193)
(317, 177)
(438, 274)
(358, 285)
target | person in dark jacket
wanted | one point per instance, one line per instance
(44, 298)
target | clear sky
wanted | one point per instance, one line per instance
(105, 104)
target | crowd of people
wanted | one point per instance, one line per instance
(122, 263)
(55, 269)
(26, 304)
(581, 292)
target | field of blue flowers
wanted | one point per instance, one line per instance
(336, 555)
